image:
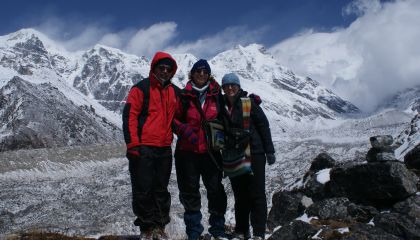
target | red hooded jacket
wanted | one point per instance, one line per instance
(156, 129)
(192, 116)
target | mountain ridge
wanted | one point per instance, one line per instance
(102, 76)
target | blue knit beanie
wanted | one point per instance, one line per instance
(200, 64)
(230, 78)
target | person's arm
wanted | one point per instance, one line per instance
(179, 127)
(262, 125)
(132, 110)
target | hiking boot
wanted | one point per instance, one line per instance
(240, 236)
(147, 235)
(159, 234)
(220, 238)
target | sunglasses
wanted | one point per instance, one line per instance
(164, 67)
(203, 71)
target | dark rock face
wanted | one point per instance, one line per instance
(412, 158)
(338, 104)
(41, 116)
(368, 232)
(286, 207)
(380, 184)
(399, 225)
(27, 55)
(322, 161)
(341, 209)
(380, 155)
(410, 207)
(361, 213)
(313, 188)
(332, 208)
(348, 206)
(295, 230)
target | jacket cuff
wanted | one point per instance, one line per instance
(131, 145)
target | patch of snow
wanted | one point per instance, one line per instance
(305, 218)
(343, 230)
(323, 176)
(316, 236)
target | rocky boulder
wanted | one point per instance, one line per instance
(412, 159)
(286, 207)
(379, 184)
(296, 230)
(382, 149)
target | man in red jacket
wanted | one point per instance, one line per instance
(147, 119)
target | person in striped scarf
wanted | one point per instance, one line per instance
(248, 133)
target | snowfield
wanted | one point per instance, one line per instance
(86, 191)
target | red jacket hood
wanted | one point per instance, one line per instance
(161, 55)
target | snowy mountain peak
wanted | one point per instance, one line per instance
(104, 76)
(23, 35)
(32, 36)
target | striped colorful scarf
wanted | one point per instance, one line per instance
(238, 161)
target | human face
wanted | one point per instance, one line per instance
(200, 77)
(163, 72)
(230, 89)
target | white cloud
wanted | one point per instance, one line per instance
(73, 33)
(374, 57)
(147, 41)
(76, 34)
(207, 47)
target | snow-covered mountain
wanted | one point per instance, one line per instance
(407, 100)
(287, 98)
(102, 76)
(107, 74)
(39, 115)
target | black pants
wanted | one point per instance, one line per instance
(189, 167)
(149, 180)
(250, 198)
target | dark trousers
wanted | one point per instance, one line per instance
(149, 175)
(250, 198)
(189, 167)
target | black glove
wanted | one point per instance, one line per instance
(133, 152)
(270, 158)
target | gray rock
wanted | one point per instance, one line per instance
(313, 188)
(361, 213)
(399, 225)
(332, 208)
(381, 141)
(384, 154)
(363, 231)
(379, 184)
(286, 207)
(412, 158)
(296, 230)
(322, 161)
(410, 207)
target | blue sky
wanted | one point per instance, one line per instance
(364, 50)
(269, 21)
